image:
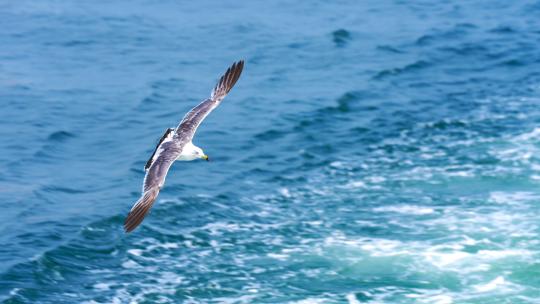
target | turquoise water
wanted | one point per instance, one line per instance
(372, 152)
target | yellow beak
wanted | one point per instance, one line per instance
(205, 157)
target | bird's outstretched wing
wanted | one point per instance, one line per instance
(164, 156)
(188, 126)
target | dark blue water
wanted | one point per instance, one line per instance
(372, 152)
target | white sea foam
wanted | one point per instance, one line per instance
(285, 192)
(445, 259)
(129, 264)
(495, 283)
(351, 298)
(376, 179)
(278, 256)
(460, 173)
(243, 299)
(136, 252)
(14, 291)
(102, 286)
(311, 301)
(438, 299)
(499, 254)
(405, 209)
(356, 184)
(170, 278)
(512, 197)
(529, 136)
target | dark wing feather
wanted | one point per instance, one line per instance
(140, 209)
(166, 154)
(165, 135)
(227, 81)
(193, 119)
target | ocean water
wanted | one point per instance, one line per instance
(372, 152)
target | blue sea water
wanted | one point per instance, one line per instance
(372, 152)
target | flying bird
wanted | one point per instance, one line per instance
(176, 144)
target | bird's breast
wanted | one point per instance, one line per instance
(186, 156)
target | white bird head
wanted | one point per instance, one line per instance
(199, 153)
(192, 152)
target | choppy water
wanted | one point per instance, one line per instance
(371, 152)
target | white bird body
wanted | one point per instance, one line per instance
(176, 144)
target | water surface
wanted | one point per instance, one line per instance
(374, 152)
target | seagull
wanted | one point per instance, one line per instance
(176, 144)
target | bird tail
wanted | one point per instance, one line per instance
(140, 209)
(227, 81)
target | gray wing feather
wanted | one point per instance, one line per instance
(227, 81)
(163, 138)
(165, 155)
(140, 209)
(188, 126)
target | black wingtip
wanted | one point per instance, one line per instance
(228, 80)
(140, 210)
